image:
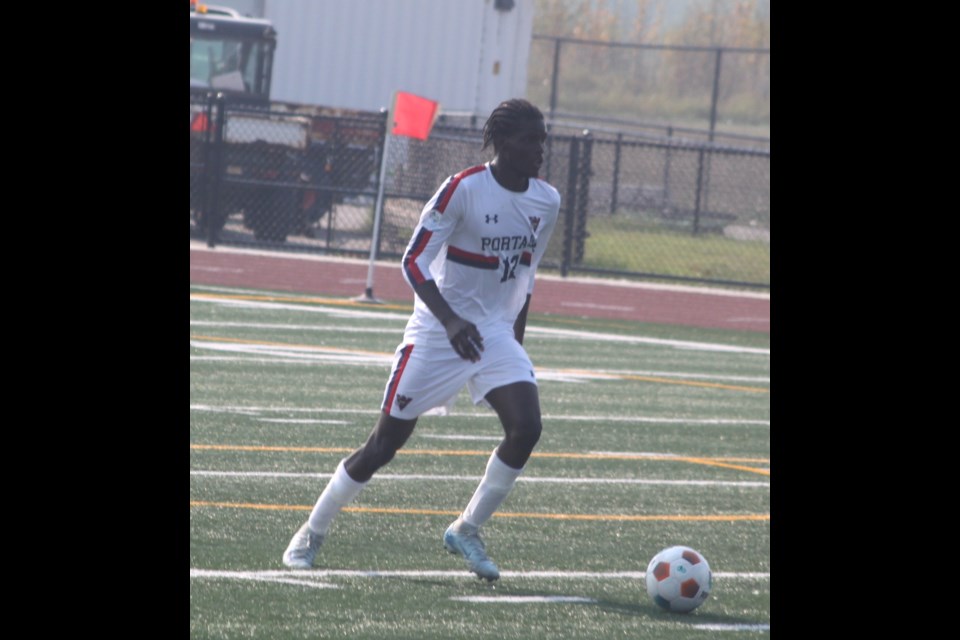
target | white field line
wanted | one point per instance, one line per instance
(247, 575)
(311, 360)
(396, 330)
(524, 599)
(435, 436)
(681, 344)
(323, 355)
(254, 410)
(681, 375)
(383, 361)
(591, 305)
(532, 329)
(303, 421)
(475, 479)
(333, 312)
(731, 627)
(523, 575)
(600, 282)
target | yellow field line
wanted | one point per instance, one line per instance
(762, 517)
(267, 343)
(595, 374)
(714, 462)
(331, 301)
(629, 376)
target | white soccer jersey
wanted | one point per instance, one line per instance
(481, 243)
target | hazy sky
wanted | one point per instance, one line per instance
(674, 9)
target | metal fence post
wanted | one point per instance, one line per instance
(666, 170)
(548, 154)
(216, 171)
(203, 221)
(616, 174)
(553, 80)
(583, 195)
(696, 204)
(382, 176)
(716, 94)
(715, 98)
(571, 206)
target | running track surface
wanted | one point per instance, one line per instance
(620, 300)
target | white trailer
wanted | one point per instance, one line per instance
(469, 55)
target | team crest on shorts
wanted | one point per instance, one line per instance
(534, 221)
(403, 401)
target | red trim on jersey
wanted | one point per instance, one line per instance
(472, 259)
(395, 380)
(448, 190)
(525, 258)
(410, 259)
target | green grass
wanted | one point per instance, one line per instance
(279, 394)
(624, 243)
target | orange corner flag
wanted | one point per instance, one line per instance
(413, 116)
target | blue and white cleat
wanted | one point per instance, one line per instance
(303, 548)
(468, 544)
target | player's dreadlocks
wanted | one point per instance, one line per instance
(507, 118)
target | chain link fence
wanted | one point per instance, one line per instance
(704, 93)
(301, 178)
(268, 175)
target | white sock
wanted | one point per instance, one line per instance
(340, 491)
(496, 484)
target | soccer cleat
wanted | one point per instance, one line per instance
(471, 547)
(303, 548)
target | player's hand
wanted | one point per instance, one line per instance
(465, 338)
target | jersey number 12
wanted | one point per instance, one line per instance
(509, 266)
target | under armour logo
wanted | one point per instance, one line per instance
(494, 216)
(403, 401)
(534, 221)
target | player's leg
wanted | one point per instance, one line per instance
(416, 384)
(387, 437)
(355, 470)
(518, 406)
(349, 479)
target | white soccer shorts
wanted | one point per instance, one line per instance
(431, 375)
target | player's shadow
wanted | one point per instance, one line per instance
(632, 609)
(650, 610)
(479, 583)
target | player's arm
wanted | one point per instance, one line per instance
(428, 239)
(463, 334)
(520, 324)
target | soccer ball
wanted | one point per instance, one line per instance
(679, 579)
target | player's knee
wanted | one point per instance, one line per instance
(518, 444)
(377, 452)
(387, 438)
(524, 438)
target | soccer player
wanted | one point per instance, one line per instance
(471, 263)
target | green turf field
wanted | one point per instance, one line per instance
(653, 436)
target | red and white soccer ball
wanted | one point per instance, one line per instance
(679, 579)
